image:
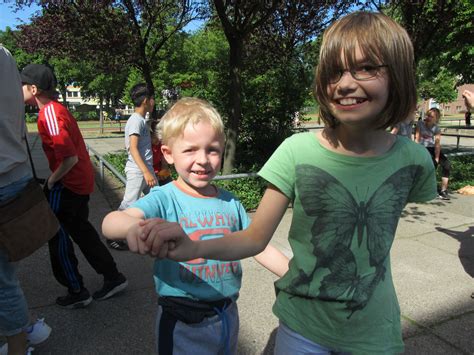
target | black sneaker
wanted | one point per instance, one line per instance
(443, 195)
(110, 288)
(75, 300)
(117, 244)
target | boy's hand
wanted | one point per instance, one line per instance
(167, 240)
(149, 178)
(135, 243)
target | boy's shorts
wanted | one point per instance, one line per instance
(217, 334)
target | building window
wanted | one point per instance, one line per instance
(68, 94)
(447, 108)
(458, 108)
(75, 94)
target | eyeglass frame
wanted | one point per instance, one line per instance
(352, 72)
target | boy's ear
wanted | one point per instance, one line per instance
(166, 150)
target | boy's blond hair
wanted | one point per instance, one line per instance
(184, 111)
(382, 42)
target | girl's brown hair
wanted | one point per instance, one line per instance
(383, 42)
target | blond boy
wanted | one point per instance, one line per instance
(197, 297)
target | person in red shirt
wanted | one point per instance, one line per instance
(68, 189)
(160, 166)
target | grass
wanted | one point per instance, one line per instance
(90, 129)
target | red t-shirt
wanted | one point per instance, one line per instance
(157, 155)
(62, 139)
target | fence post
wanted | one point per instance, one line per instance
(101, 170)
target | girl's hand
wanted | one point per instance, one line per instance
(167, 240)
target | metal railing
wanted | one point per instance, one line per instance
(103, 163)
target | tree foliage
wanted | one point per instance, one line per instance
(442, 33)
(110, 34)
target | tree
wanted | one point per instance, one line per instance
(441, 32)
(239, 18)
(110, 34)
(268, 36)
(442, 87)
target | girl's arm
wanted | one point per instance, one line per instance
(125, 225)
(274, 260)
(437, 149)
(233, 246)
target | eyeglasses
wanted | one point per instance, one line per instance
(365, 72)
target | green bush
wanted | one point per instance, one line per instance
(85, 116)
(118, 160)
(248, 190)
(462, 172)
(31, 117)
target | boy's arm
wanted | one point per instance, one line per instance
(233, 246)
(149, 177)
(125, 225)
(274, 260)
(66, 165)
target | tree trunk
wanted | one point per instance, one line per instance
(64, 96)
(235, 91)
(101, 115)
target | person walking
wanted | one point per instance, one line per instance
(68, 189)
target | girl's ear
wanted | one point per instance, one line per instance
(166, 150)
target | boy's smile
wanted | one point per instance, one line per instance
(197, 156)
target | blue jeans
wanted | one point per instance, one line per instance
(13, 308)
(289, 342)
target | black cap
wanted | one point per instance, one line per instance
(39, 75)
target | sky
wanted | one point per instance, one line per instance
(10, 18)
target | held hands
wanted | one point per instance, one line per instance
(161, 239)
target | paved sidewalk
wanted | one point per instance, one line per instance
(432, 265)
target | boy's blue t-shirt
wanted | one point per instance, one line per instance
(201, 218)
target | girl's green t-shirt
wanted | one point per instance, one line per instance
(339, 291)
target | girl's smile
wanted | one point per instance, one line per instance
(358, 102)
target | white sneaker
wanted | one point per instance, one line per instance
(36, 333)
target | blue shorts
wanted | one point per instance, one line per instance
(290, 342)
(13, 308)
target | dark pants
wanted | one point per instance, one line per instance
(443, 162)
(72, 211)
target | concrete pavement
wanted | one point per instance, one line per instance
(432, 265)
